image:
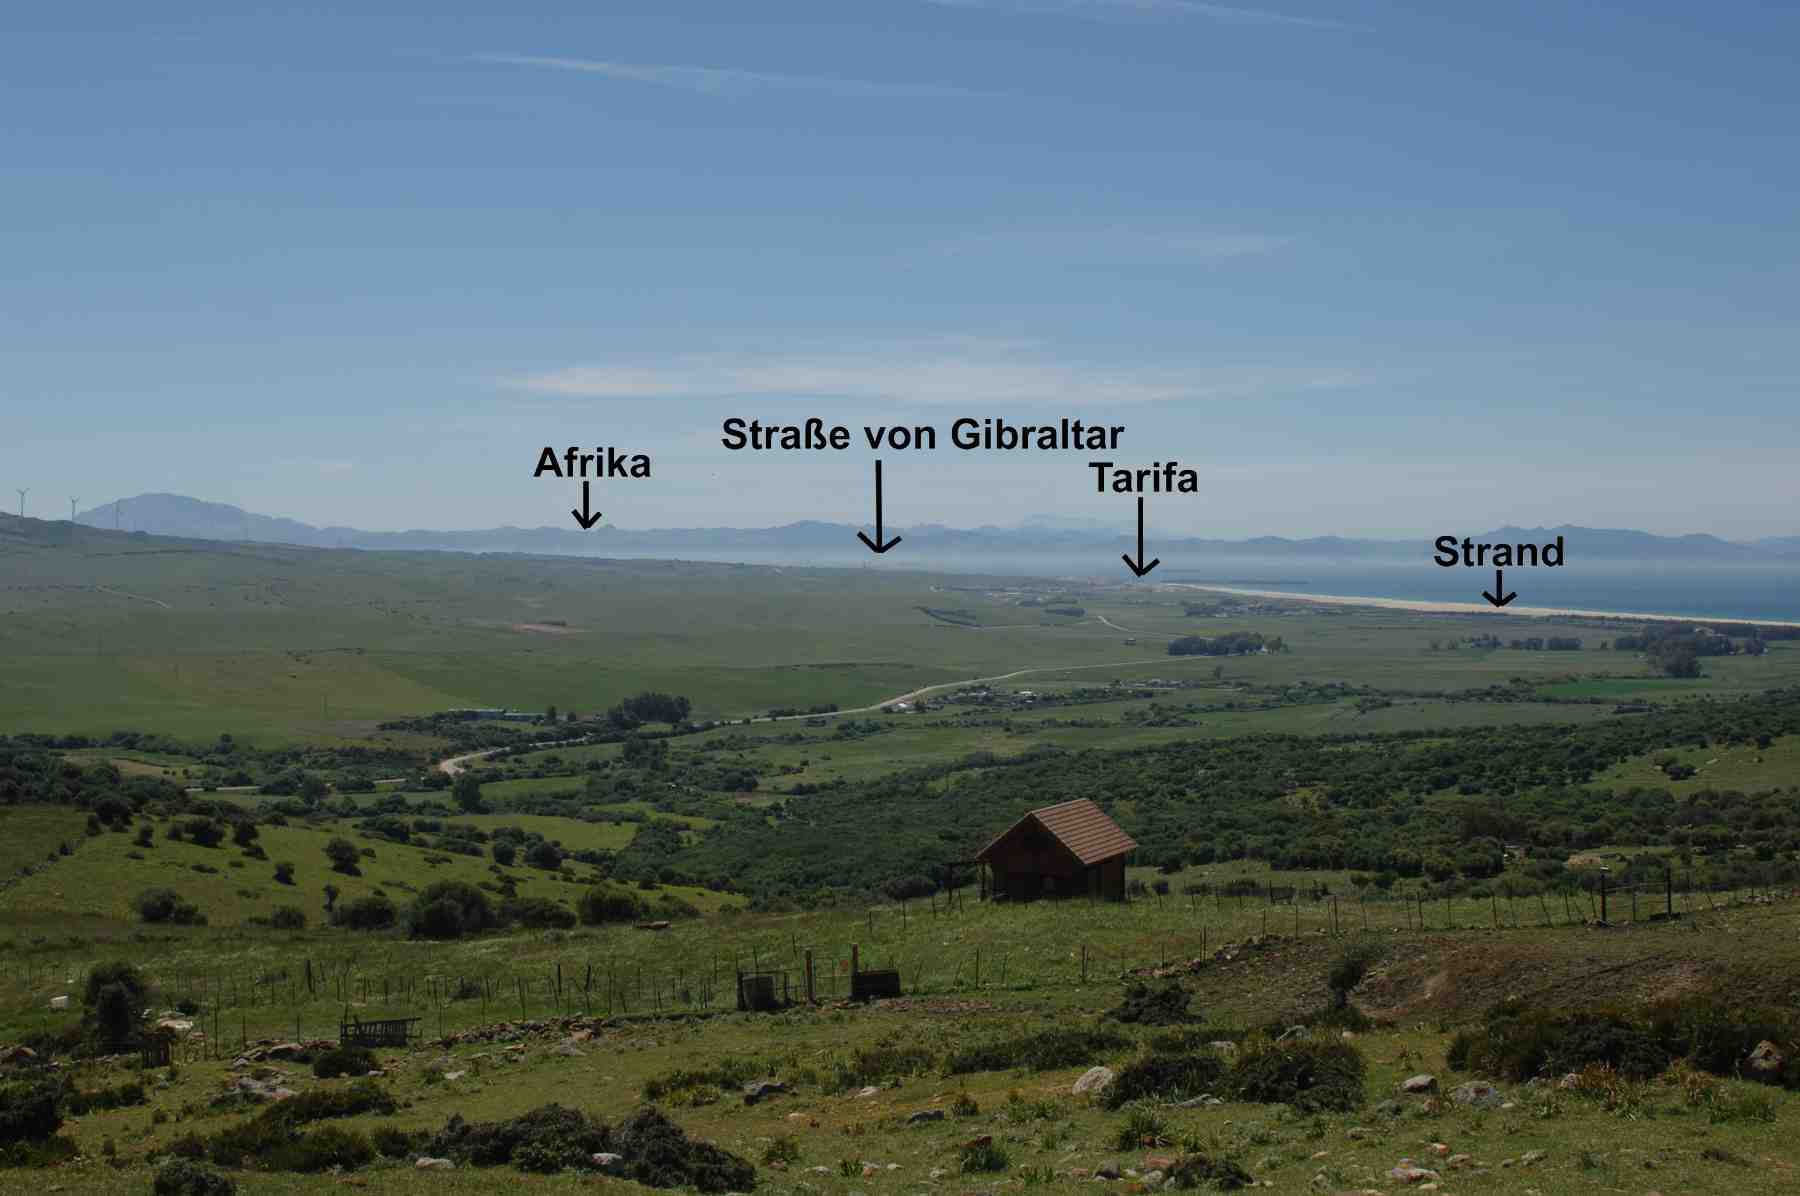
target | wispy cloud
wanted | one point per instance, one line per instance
(724, 81)
(1119, 245)
(1228, 13)
(956, 371)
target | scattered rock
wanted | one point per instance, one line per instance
(1458, 1160)
(1568, 1082)
(606, 1160)
(1409, 1173)
(18, 1054)
(924, 1115)
(871, 1090)
(1094, 1079)
(1419, 1085)
(1767, 1059)
(455, 1075)
(759, 1090)
(430, 1164)
(1533, 1157)
(1477, 1094)
(1440, 1149)
(1107, 1170)
(59, 1002)
(567, 1049)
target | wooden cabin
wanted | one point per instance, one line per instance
(1067, 850)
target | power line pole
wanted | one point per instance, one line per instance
(116, 514)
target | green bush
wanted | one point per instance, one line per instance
(1517, 1042)
(653, 1150)
(982, 1155)
(186, 1178)
(1046, 1050)
(730, 1071)
(1199, 1170)
(345, 1061)
(537, 913)
(1163, 1004)
(391, 1142)
(288, 917)
(603, 904)
(450, 909)
(1312, 1076)
(1719, 1038)
(1165, 1077)
(28, 1113)
(115, 996)
(366, 913)
(166, 905)
(80, 1104)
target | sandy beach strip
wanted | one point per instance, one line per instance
(1474, 608)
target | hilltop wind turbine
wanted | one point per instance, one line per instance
(22, 495)
(72, 501)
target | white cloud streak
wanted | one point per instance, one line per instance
(1224, 13)
(949, 372)
(724, 81)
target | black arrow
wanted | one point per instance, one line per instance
(586, 520)
(1130, 564)
(1499, 597)
(876, 545)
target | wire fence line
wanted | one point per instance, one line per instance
(938, 951)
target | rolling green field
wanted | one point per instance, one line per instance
(103, 631)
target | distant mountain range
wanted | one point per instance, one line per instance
(811, 540)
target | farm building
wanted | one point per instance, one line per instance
(1067, 850)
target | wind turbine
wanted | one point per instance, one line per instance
(72, 501)
(22, 494)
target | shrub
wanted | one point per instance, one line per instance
(1349, 968)
(1312, 1076)
(782, 1149)
(344, 1061)
(658, 1155)
(284, 874)
(1719, 1038)
(166, 905)
(1197, 1170)
(115, 996)
(391, 1142)
(28, 1113)
(537, 913)
(343, 856)
(1045, 1050)
(728, 1072)
(1165, 1077)
(121, 1097)
(374, 912)
(982, 1155)
(450, 909)
(608, 903)
(288, 917)
(1517, 1042)
(185, 1178)
(1143, 1126)
(1164, 1004)
(441, 919)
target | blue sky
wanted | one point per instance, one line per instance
(1372, 267)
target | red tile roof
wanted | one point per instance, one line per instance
(1081, 826)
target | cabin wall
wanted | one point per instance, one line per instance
(1026, 867)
